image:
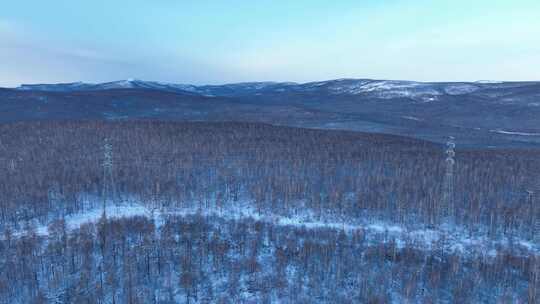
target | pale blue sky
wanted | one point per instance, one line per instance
(304, 40)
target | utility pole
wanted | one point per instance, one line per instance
(448, 186)
(109, 187)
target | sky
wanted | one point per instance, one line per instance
(213, 42)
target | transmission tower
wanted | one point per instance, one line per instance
(533, 198)
(109, 187)
(448, 186)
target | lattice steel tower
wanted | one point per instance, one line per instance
(533, 198)
(109, 186)
(448, 186)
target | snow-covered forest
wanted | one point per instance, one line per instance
(253, 213)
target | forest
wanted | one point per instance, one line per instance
(276, 214)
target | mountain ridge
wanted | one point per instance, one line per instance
(492, 114)
(337, 86)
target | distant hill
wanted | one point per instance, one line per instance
(483, 113)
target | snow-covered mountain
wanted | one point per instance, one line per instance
(121, 84)
(380, 89)
(57, 87)
(485, 112)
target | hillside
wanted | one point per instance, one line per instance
(430, 111)
(205, 211)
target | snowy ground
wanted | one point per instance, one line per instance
(450, 239)
(515, 133)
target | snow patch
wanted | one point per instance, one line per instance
(449, 238)
(515, 133)
(75, 221)
(460, 89)
(489, 82)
